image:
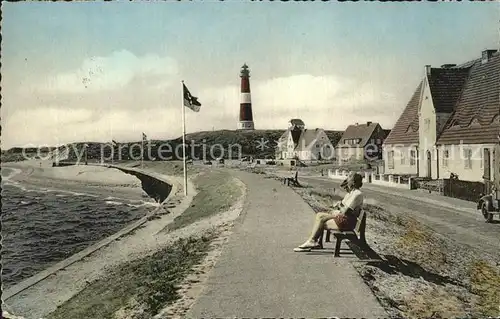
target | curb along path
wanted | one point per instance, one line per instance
(259, 275)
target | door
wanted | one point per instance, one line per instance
(429, 164)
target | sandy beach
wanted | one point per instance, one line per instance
(78, 179)
(87, 174)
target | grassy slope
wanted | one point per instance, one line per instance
(247, 139)
(217, 192)
(151, 281)
(174, 168)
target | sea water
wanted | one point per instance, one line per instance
(42, 226)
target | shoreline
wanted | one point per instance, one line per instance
(169, 184)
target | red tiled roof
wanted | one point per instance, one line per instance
(406, 129)
(445, 86)
(476, 118)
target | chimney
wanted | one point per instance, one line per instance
(428, 69)
(368, 123)
(448, 66)
(486, 55)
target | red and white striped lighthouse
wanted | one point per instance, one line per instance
(246, 117)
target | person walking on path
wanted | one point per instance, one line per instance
(344, 214)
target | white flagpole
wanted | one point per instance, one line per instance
(184, 140)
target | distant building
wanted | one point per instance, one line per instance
(450, 124)
(305, 145)
(361, 142)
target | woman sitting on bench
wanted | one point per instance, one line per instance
(345, 213)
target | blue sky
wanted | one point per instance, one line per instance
(360, 61)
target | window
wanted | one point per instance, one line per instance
(403, 159)
(427, 124)
(390, 159)
(378, 141)
(467, 158)
(412, 158)
(446, 156)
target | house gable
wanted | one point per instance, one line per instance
(427, 118)
(307, 140)
(358, 135)
(378, 135)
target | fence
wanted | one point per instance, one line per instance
(465, 190)
(397, 181)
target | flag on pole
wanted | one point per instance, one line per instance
(189, 100)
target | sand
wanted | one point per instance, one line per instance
(85, 174)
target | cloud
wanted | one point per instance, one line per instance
(140, 98)
(330, 102)
(111, 72)
(54, 126)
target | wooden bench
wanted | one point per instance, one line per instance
(358, 235)
(294, 181)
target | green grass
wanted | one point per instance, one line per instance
(217, 192)
(151, 282)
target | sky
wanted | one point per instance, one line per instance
(76, 71)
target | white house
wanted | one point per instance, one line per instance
(450, 124)
(306, 145)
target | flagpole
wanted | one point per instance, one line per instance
(184, 139)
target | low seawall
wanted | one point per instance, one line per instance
(157, 189)
(155, 186)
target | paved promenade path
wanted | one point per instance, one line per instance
(258, 275)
